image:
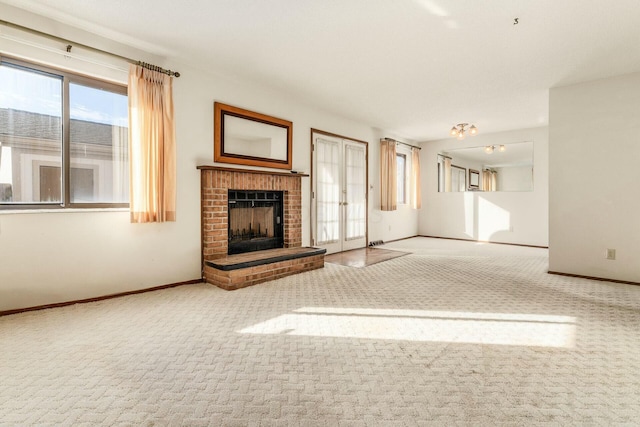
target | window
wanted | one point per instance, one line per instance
(401, 178)
(63, 139)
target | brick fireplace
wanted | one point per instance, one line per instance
(215, 185)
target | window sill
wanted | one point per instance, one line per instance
(68, 210)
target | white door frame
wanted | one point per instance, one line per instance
(343, 244)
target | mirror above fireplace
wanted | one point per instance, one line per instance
(248, 138)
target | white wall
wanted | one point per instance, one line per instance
(50, 257)
(505, 217)
(594, 147)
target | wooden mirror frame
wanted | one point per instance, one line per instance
(224, 154)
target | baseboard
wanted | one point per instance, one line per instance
(400, 239)
(486, 241)
(600, 279)
(100, 298)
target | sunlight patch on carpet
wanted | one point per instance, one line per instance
(536, 330)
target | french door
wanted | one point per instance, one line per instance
(339, 193)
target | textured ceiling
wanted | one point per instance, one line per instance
(411, 67)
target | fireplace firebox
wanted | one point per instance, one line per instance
(255, 221)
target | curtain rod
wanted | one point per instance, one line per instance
(403, 143)
(70, 45)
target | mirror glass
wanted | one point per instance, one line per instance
(500, 167)
(254, 139)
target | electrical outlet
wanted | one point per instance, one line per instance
(610, 254)
(511, 228)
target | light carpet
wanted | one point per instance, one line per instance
(456, 333)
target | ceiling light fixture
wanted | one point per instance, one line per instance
(489, 148)
(459, 130)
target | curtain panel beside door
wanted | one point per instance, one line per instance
(388, 189)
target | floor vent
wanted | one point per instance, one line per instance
(376, 243)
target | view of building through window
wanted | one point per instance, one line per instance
(34, 150)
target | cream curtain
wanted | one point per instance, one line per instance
(152, 150)
(489, 180)
(447, 174)
(415, 198)
(486, 180)
(388, 189)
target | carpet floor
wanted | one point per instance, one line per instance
(455, 333)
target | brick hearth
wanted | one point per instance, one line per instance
(215, 183)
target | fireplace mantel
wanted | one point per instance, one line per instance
(264, 172)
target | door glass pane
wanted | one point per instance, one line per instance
(99, 146)
(355, 167)
(30, 136)
(328, 189)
